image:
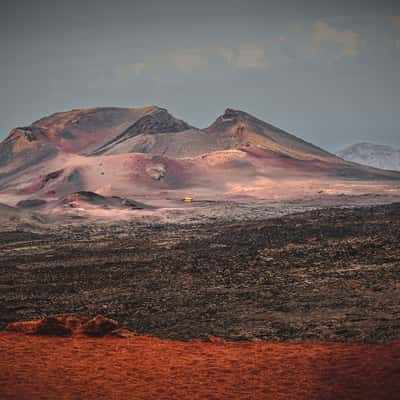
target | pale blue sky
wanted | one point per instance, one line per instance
(328, 74)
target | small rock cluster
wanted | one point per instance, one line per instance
(68, 325)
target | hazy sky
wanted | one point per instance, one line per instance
(327, 73)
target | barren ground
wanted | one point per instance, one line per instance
(141, 368)
(327, 275)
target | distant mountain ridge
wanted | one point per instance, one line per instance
(143, 130)
(124, 151)
(373, 155)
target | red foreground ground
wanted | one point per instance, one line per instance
(35, 367)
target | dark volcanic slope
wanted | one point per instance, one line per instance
(96, 133)
(234, 129)
(245, 128)
(326, 275)
(82, 131)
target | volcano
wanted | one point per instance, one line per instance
(137, 151)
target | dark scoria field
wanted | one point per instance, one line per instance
(331, 275)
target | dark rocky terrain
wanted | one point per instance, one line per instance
(330, 275)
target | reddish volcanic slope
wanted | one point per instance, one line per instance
(130, 151)
(80, 132)
(37, 367)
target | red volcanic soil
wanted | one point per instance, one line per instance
(41, 367)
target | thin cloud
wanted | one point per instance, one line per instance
(348, 42)
(131, 69)
(395, 20)
(250, 56)
(228, 55)
(190, 61)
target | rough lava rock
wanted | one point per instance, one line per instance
(66, 325)
(52, 326)
(31, 203)
(58, 325)
(122, 333)
(99, 326)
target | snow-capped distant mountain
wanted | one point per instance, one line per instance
(373, 155)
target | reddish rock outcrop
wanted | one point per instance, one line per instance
(99, 326)
(52, 326)
(65, 325)
(122, 333)
(26, 327)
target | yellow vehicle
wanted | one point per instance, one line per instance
(187, 199)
